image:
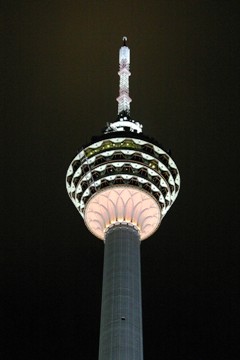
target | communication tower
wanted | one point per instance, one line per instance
(123, 184)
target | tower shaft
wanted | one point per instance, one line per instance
(121, 314)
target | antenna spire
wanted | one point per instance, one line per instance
(124, 41)
(124, 73)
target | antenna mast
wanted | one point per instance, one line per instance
(124, 73)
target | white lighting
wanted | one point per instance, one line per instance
(122, 203)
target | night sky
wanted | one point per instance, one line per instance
(59, 74)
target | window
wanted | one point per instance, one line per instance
(133, 181)
(110, 169)
(118, 156)
(99, 160)
(165, 174)
(118, 180)
(137, 157)
(148, 149)
(173, 172)
(76, 180)
(75, 165)
(164, 159)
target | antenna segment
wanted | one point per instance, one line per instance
(124, 73)
(124, 122)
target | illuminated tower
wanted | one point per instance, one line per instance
(122, 183)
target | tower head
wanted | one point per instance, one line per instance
(123, 176)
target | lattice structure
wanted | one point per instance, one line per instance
(124, 73)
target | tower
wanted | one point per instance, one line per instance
(122, 183)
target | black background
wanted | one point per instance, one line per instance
(60, 63)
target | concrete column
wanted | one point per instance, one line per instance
(121, 314)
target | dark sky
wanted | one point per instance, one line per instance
(60, 63)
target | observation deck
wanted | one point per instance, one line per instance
(121, 161)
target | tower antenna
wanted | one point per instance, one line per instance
(124, 99)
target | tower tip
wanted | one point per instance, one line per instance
(124, 40)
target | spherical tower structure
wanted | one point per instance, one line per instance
(123, 183)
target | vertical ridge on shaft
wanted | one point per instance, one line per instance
(121, 314)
